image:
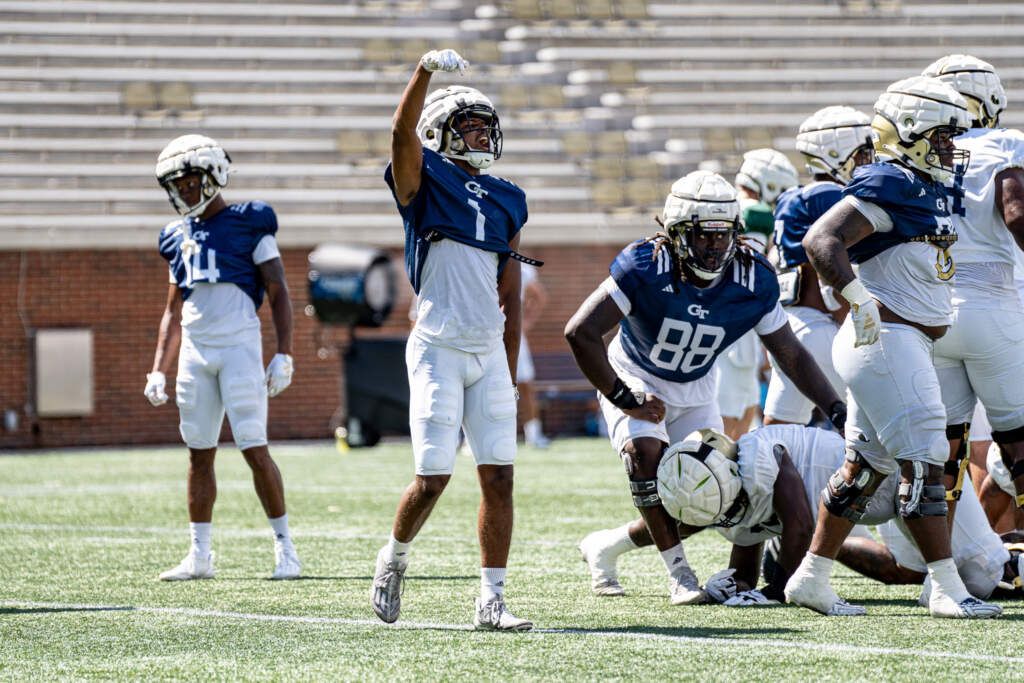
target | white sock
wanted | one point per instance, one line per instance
(395, 550)
(619, 541)
(816, 566)
(201, 532)
(946, 580)
(280, 527)
(492, 583)
(674, 558)
(532, 430)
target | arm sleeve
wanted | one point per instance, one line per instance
(266, 250)
(877, 216)
(771, 321)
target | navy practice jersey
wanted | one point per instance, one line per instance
(918, 208)
(226, 243)
(676, 335)
(483, 211)
(795, 213)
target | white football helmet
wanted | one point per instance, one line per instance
(702, 202)
(698, 483)
(189, 154)
(977, 81)
(768, 173)
(908, 112)
(830, 139)
(438, 125)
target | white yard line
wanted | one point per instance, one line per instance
(834, 648)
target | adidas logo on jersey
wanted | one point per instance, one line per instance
(667, 288)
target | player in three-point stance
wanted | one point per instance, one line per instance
(894, 221)
(681, 298)
(461, 228)
(979, 358)
(833, 141)
(223, 258)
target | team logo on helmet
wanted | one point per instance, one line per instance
(193, 154)
(977, 81)
(832, 139)
(699, 483)
(915, 114)
(768, 173)
(702, 204)
(449, 114)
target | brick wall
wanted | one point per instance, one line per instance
(120, 296)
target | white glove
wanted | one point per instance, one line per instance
(444, 60)
(751, 598)
(156, 388)
(720, 587)
(867, 321)
(279, 374)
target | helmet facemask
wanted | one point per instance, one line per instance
(465, 123)
(208, 190)
(705, 247)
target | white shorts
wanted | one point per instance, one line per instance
(738, 383)
(894, 401)
(816, 331)
(977, 550)
(997, 470)
(981, 430)
(524, 366)
(449, 389)
(212, 379)
(982, 357)
(677, 425)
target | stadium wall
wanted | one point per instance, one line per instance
(120, 294)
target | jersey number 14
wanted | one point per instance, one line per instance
(685, 347)
(194, 271)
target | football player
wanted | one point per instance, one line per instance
(461, 227)
(679, 299)
(763, 176)
(833, 141)
(894, 222)
(988, 213)
(223, 258)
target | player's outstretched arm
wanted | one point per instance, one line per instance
(510, 299)
(585, 331)
(406, 148)
(797, 363)
(746, 560)
(789, 501)
(167, 340)
(1010, 200)
(279, 372)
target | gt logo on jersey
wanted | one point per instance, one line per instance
(697, 310)
(200, 235)
(474, 187)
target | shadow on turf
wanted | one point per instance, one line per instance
(684, 631)
(44, 610)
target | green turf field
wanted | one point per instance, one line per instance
(85, 533)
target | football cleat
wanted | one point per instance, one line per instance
(684, 588)
(287, 565)
(386, 591)
(808, 591)
(604, 577)
(493, 616)
(191, 568)
(943, 607)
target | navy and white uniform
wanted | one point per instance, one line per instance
(220, 366)
(895, 403)
(457, 233)
(797, 210)
(673, 332)
(980, 356)
(977, 550)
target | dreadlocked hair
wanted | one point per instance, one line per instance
(744, 252)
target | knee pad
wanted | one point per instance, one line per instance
(918, 498)
(956, 466)
(243, 394)
(850, 499)
(249, 433)
(645, 493)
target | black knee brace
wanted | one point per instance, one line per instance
(850, 499)
(645, 493)
(956, 466)
(920, 499)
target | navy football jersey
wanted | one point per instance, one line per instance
(226, 243)
(676, 333)
(919, 208)
(483, 211)
(795, 213)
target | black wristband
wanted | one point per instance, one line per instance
(837, 416)
(622, 397)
